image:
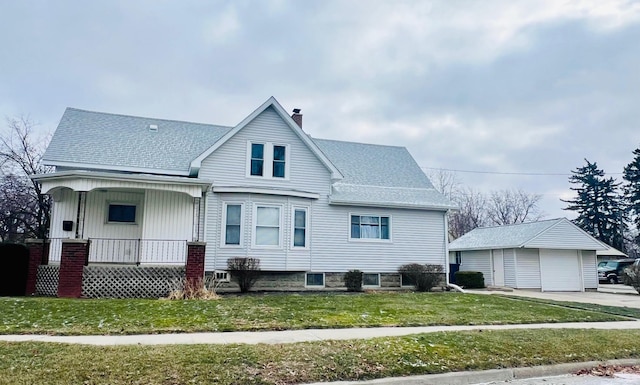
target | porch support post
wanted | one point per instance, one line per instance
(38, 255)
(194, 271)
(196, 220)
(75, 253)
(82, 207)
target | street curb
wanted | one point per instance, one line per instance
(482, 376)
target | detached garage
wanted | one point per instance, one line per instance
(552, 255)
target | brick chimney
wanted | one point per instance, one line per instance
(297, 117)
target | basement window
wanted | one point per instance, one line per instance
(314, 280)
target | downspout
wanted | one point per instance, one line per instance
(446, 254)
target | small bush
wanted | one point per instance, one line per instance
(353, 280)
(424, 277)
(470, 279)
(631, 277)
(244, 271)
(199, 289)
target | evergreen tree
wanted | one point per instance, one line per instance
(632, 189)
(599, 205)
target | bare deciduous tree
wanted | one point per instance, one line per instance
(24, 210)
(507, 207)
(471, 212)
(446, 182)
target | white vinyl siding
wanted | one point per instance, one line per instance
(478, 260)
(418, 236)
(510, 268)
(228, 165)
(528, 268)
(589, 269)
(564, 236)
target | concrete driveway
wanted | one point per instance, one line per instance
(599, 298)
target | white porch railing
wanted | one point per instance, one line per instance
(128, 251)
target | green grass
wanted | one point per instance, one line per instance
(54, 364)
(275, 312)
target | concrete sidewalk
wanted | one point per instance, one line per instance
(293, 336)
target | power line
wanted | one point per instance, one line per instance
(507, 173)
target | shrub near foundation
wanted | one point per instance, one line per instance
(470, 279)
(631, 276)
(424, 277)
(244, 271)
(353, 280)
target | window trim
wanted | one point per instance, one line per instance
(324, 280)
(121, 203)
(379, 240)
(254, 225)
(223, 229)
(226, 274)
(267, 165)
(371, 286)
(306, 227)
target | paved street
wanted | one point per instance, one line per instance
(619, 379)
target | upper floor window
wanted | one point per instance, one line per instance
(279, 161)
(369, 227)
(257, 159)
(268, 160)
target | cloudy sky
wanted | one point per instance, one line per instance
(500, 87)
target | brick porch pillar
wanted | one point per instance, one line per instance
(75, 253)
(194, 271)
(38, 254)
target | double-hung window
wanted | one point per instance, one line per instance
(370, 227)
(257, 159)
(279, 161)
(268, 160)
(267, 226)
(299, 227)
(233, 224)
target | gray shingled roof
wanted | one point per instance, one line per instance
(501, 236)
(101, 139)
(373, 174)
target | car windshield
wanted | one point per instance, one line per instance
(612, 264)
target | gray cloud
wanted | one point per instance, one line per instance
(525, 86)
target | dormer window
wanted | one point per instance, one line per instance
(279, 161)
(268, 160)
(257, 159)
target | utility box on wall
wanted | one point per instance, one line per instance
(67, 225)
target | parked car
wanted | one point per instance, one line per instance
(612, 270)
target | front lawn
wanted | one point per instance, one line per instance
(57, 364)
(275, 312)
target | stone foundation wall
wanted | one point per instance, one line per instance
(295, 281)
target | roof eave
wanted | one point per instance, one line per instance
(56, 163)
(399, 205)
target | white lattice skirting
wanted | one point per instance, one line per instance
(130, 281)
(47, 280)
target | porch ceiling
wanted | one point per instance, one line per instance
(88, 181)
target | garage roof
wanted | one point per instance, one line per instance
(557, 233)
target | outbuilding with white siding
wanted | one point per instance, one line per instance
(551, 255)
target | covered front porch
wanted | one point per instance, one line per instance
(127, 218)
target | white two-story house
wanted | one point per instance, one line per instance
(309, 209)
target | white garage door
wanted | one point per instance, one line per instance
(560, 270)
